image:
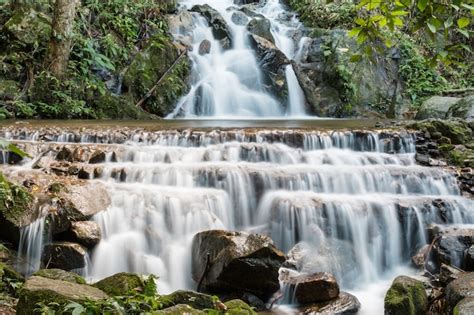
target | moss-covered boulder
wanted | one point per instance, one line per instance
(180, 309)
(29, 26)
(146, 70)
(194, 299)
(458, 131)
(459, 289)
(436, 107)
(463, 109)
(406, 296)
(465, 307)
(16, 210)
(238, 307)
(59, 274)
(39, 289)
(121, 284)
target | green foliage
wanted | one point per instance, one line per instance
(10, 147)
(326, 14)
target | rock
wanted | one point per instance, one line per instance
(406, 296)
(148, 66)
(464, 109)
(452, 244)
(196, 300)
(181, 23)
(219, 27)
(44, 290)
(29, 26)
(121, 284)
(204, 47)
(464, 307)
(86, 233)
(313, 288)
(419, 259)
(436, 107)
(462, 287)
(64, 255)
(98, 156)
(239, 18)
(59, 274)
(243, 2)
(345, 304)
(238, 307)
(261, 27)
(468, 262)
(179, 310)
(448, 273)
(273, 62)
(236, 262)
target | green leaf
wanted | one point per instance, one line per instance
(443, 53)
(421, 5)
(464, 32)
(356, 58)
(355, 32)
(467, 6)
(399, 13)
(431, 27)
(463, 22)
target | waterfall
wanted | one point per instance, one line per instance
(228, 83)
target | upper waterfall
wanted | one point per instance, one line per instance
(230, 79)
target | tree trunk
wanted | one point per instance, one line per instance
(60, 44)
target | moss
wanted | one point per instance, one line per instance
(121, 284)
(238, 307)
(58, 274)
(14, 201)
(194, 299)
(446, 148)
(181, 309)
(406, 296)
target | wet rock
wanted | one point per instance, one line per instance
(313, 288)
(204, 47)
(461, 288)
(121, 284)
(239, 18)
(448, 274)
(464, 307)
(261, 27)
(436, 107)
(236, 262)
(44, 290)
(238, 307)
(64, 255)
(345, 304)
(273, 63)
(98, 156)
(59, 274)
(86, 233)
(196, 300)
(419, 259)
(181, 23)
(452, 244)
(463, 109)
(180, 309)
(219, 27)
(406, 296)
(243, 2)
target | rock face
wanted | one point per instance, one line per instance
(29, 26)
(260, 26)
(120, 284)
(86, 232)
(314, 288)
(406, 296)
(219, 27)
(461, 288)
(345, 304)
(463, 109)
(273, 62)
(39, 289)
(452, 245)
(59, 274)
(64, 255)
(236, 262)
(436, 107)
(148, 67)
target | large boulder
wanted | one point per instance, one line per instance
(59, 274)
(436, 107)
(464, 307)
(239, 18)
(121, 284)
(236, 262)
(64, 255)
(179, 310)
(406, 296)
(86, 233)
(196, 300)
(457, 290)
(181, 25)
(149, 65)
(452, 245)
(29, 26)
(313, 288)
(44, 290)
(273, 62)
(220, 29)
(344, 304)
(463, 109)
(261, 26)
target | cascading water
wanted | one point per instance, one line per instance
(351, 203)
(228, 83)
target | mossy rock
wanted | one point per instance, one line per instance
(180, 309)
(121, 284)
(194, 299)
(43, 290)
(238, 307)
(463, 109)
(458, 131)
(406, 296)
(465, 306)
(7, 271)
(29, 26)
(59, 274)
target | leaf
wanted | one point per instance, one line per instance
(463, 22)
(383, 22)
(355, 32)
(355, 58)
(467, 6)
(464, 32)
(399, 13)
(443, 53)
(431, 27)
(421, 5)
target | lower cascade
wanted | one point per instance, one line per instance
(354, 204)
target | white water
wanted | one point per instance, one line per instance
(228, 83)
